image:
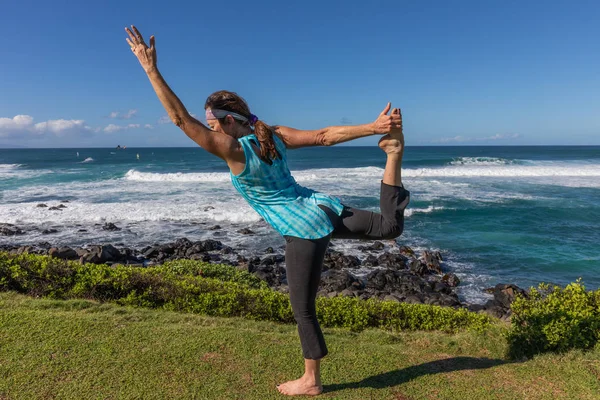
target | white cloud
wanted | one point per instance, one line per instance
(111, 128)
(23, 124)
(164, 120)
(127, 115)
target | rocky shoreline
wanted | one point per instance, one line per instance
(396, 274)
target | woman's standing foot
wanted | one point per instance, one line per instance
(305, 386)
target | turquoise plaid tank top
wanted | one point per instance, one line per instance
(272, 191)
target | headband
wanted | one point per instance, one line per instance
(216, 113)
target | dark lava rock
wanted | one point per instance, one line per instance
(337, 260)
(82, 230)
(418, 267)
(269, 250)
(442, 287)
(451, 279)
(41, 205)
(214, 227)
(392, 260)
(370, 261)
(336, 281)
(375, 246)
(432, 260)
(65, 253)
(246, 231)
(55, 209)
(61, 206)
(505, 294)
(49, 231)
(183, 243)
(212, 245)
(407, 251)
(109, 226)
(10, 230)
(209, 208)
(100, 254)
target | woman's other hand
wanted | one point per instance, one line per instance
(385, 123)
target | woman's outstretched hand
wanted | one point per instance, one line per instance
(385, 123)
(145, 55)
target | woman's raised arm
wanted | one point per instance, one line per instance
(217, 143)
(332, 135)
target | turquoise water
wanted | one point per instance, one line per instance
(498, 214)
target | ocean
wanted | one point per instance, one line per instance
(519, 215)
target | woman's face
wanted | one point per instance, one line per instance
(229, 126)
(215, 125)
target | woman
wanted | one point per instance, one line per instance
(256, 156)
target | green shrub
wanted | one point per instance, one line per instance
(218, 290)
(554, 319)
(218, 271)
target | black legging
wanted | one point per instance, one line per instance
(304, 258)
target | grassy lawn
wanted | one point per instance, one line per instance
(78, 349)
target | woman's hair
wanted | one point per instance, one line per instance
(230, 101)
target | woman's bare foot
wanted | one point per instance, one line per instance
(303, 386)
(392, 143)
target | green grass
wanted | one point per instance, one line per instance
(80, 349)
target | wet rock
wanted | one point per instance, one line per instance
(41, 205)
(211, 245)
(392, 260)
(432, 261)
(10, 230)
(81, 230)
(375, 246)
(55, 208)
(227, 250)
(407, 252)
(269, 250)
(370, 261)
(214, 227)
(49, 231)
(183, 243)
(417, 267)
(246, 231)
(109, 226)
(208, 208)
(61, 206)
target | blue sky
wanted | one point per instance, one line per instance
(463, 72)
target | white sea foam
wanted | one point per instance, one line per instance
(9, 171)
(133, 175)
(87, 160)
(411, 211)
(510, 171)
(481, 161)
(6, 167)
